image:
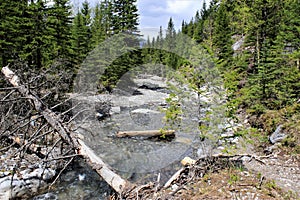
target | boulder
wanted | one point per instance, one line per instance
(278, 135)
(27, 182)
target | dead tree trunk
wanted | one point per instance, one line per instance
(149, 133)
(113, 179)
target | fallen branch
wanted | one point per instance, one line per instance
(113, 179)
(239, 156)
(54, 120)
(174, 177)
(149, 133)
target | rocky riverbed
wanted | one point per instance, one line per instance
(137, 159)
(22, 177)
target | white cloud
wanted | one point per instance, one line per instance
(155, 13)
(181, 6)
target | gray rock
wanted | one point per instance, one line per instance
(144, 111)
(115, 110)
(227, 135)
(278, 135)
(47, 196)
(237, 45)
(235, 140)
(29, 182)
(271, 149)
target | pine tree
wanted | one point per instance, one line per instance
(285, 53)
(198, 28)
(125, 17)
(190, 28)
(169, 43)
(100, 24)
(222, 33)
(59, 26)
(38, 48)
(241, 17)
(12, 36)
(261, 88)
(184, 27)
(208, 25)
(170, 36)
(82, 33)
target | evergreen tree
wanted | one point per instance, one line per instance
(285, 54)
(184, 27)
(198, 28)
(59, 26)
(12, 36)
(125, 17)
(190, 28)
(100, 24)
(222, 33)
(82, 33)
(170, 36)
(261, 89)
(169, 43)
(40, 43)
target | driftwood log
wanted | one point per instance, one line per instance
(149, 133)
(113, 179)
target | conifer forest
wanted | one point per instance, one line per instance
(253, 44)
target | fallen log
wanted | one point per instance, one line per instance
(113, 179)
(149, 133)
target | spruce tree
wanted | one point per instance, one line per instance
(169, 43)
(12, 36)
(59, 26)
(261, 88)
(99, 25)
(222, 33)
(81, 33)
(125, 17)
(198, 28)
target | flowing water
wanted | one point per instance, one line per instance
(136, 159)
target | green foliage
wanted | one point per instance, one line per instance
(261, 77)
(233, 179)
(125, 18)
(222, 33)
(81, 41)
(173, 112)
(59, 26)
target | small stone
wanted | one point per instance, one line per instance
(188, 161)
(174, 187)
(235, 140)
(2, 174)
(81, 177)
(227, 135)
(221, 148)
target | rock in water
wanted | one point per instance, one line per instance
(278, 135)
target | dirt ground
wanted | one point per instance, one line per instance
(274, 176)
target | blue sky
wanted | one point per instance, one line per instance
(155, 13)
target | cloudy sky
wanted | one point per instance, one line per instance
(155, 13)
